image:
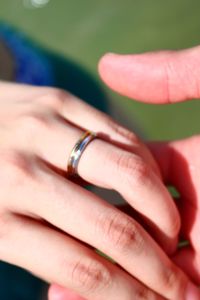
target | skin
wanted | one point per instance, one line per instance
(49, 225)
(163, 78)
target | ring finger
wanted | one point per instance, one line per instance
(83, 215)
(107, 166)
(58, 258)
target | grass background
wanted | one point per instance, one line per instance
(85, 29)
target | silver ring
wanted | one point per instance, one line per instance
(77, 151)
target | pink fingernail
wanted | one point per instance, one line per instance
(60, 293)
(192, 293)
(110, 54)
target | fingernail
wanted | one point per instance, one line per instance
(192, 293)
(110, 54)
(60, 293)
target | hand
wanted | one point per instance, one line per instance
(163, 77)
(168, 77)
(179, 162)
(180, 165)
(49, 225)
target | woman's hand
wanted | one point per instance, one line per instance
(179, 162)
(49, 225)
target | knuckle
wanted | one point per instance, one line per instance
(52, 98)
(168, 72)
(121, 232)
(140, 172)
(90, 275)
(35, 122)
(133, 169)
(143, 293)
(17, 167)
(172, 279)
(122, 132)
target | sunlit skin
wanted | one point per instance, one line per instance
(159, 78)
(51, 225)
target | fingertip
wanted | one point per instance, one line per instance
(111, 67)
(110, 60)
(105, 62)
(57, 292)
(136, 76)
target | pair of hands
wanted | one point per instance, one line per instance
(49, 225)
(164, 77)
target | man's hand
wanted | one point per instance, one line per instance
(180, 165)
(159, 78)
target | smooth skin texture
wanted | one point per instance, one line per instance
(164, 77)
(50, 225)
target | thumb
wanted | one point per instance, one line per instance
(156, 77)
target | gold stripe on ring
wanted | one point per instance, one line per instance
(77, 151)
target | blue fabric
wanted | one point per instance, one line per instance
(31, 66)
(18, 284)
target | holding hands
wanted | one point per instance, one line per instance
(164, 77)
(168, 77)
(50, 225)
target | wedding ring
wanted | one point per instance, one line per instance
(77, 151)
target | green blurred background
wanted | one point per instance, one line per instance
(83, 30)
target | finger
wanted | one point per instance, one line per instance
(128, 210)
(59, 293)
(83, 215)
(87, 117)
(19, 92)
(58, 258)
(189, 261)
(117, 169)
(179, 165)
(75, 110)
(177, 160)
(155, 77)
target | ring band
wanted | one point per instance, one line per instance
(77, 151)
